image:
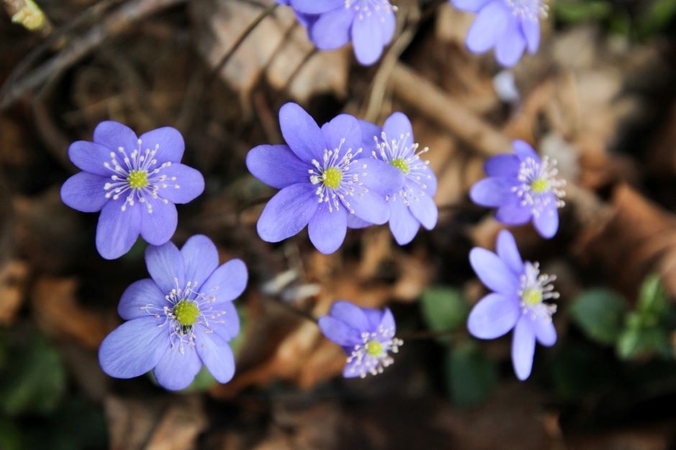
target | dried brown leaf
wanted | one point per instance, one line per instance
(13, 277)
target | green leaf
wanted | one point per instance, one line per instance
(652, 298)
(600, 314)
(640, 342)
(657, 17)
(443, 308)
(470, 376)
(10, 436)
(574, 12)
(38, 381)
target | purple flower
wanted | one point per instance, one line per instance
(413, 205)
(366, 335)
(325, 182)
(179, 319)
(304, 19)
(511, 26)
(518, 302)
(369, 24)
(134, 182)
(522, 186)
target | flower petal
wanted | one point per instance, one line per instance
(511, 45)
(287, 213)
(139, 295)
(509, 252)
(493, 191)
(425, 210)
(367, 38)
(351, 314)
(355, 222)
(84, 192)
(403, 225)
(544, 331)
(513, 213)
(216, 355)
(388, 320)
(493, 272)
(502, 166)
(158, 226)
(397, 126)
(547, 222)
(531, 31)
(277, 166)
(375, 317)
(316, 6)
(370, 207)
(339, 332)
(493, 316)
(165, 265)
(469, 5)
(327, 229)
(134, 347)
(523, 348)
(117, 230)
(167, 140)
(91, 157)
(176, 370)
(200, 259)
(342, 132)
(369, 133)
(301, 133)
(381, 177)
(227, 282)
(115, 135)
(332, 29)
(190, 184)
(488, 27)
(523, 150)
(228, 322)
(388, 23)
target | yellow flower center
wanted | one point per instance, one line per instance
(400, 164)
(539, 185)
(138, 179)
(186, 313)
(531, 297)
(332, 177)
(374, 348)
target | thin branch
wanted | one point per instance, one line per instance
(117, 22)
(240, 40)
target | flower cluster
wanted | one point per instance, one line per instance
(134, 182)
(348, 173)
(366, 335)
(523, 187)
(369, 24)
(511, 26)
(179, 319)
(518, 302)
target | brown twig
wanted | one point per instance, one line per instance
(427, 98)
(117, 22)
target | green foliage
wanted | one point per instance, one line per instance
(443, 308)
(35, 381)
(470, 376)
(10, 436)
(600, 315)
(578, 11)
(570, 381)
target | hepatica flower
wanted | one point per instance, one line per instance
(523, 187)
(324, 180)
(134, 182)
(413, 205)
(519, 302)
(369, 24)
(180, 318)
(366, 335)
(511, 26)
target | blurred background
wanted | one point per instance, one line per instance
(598, 96)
